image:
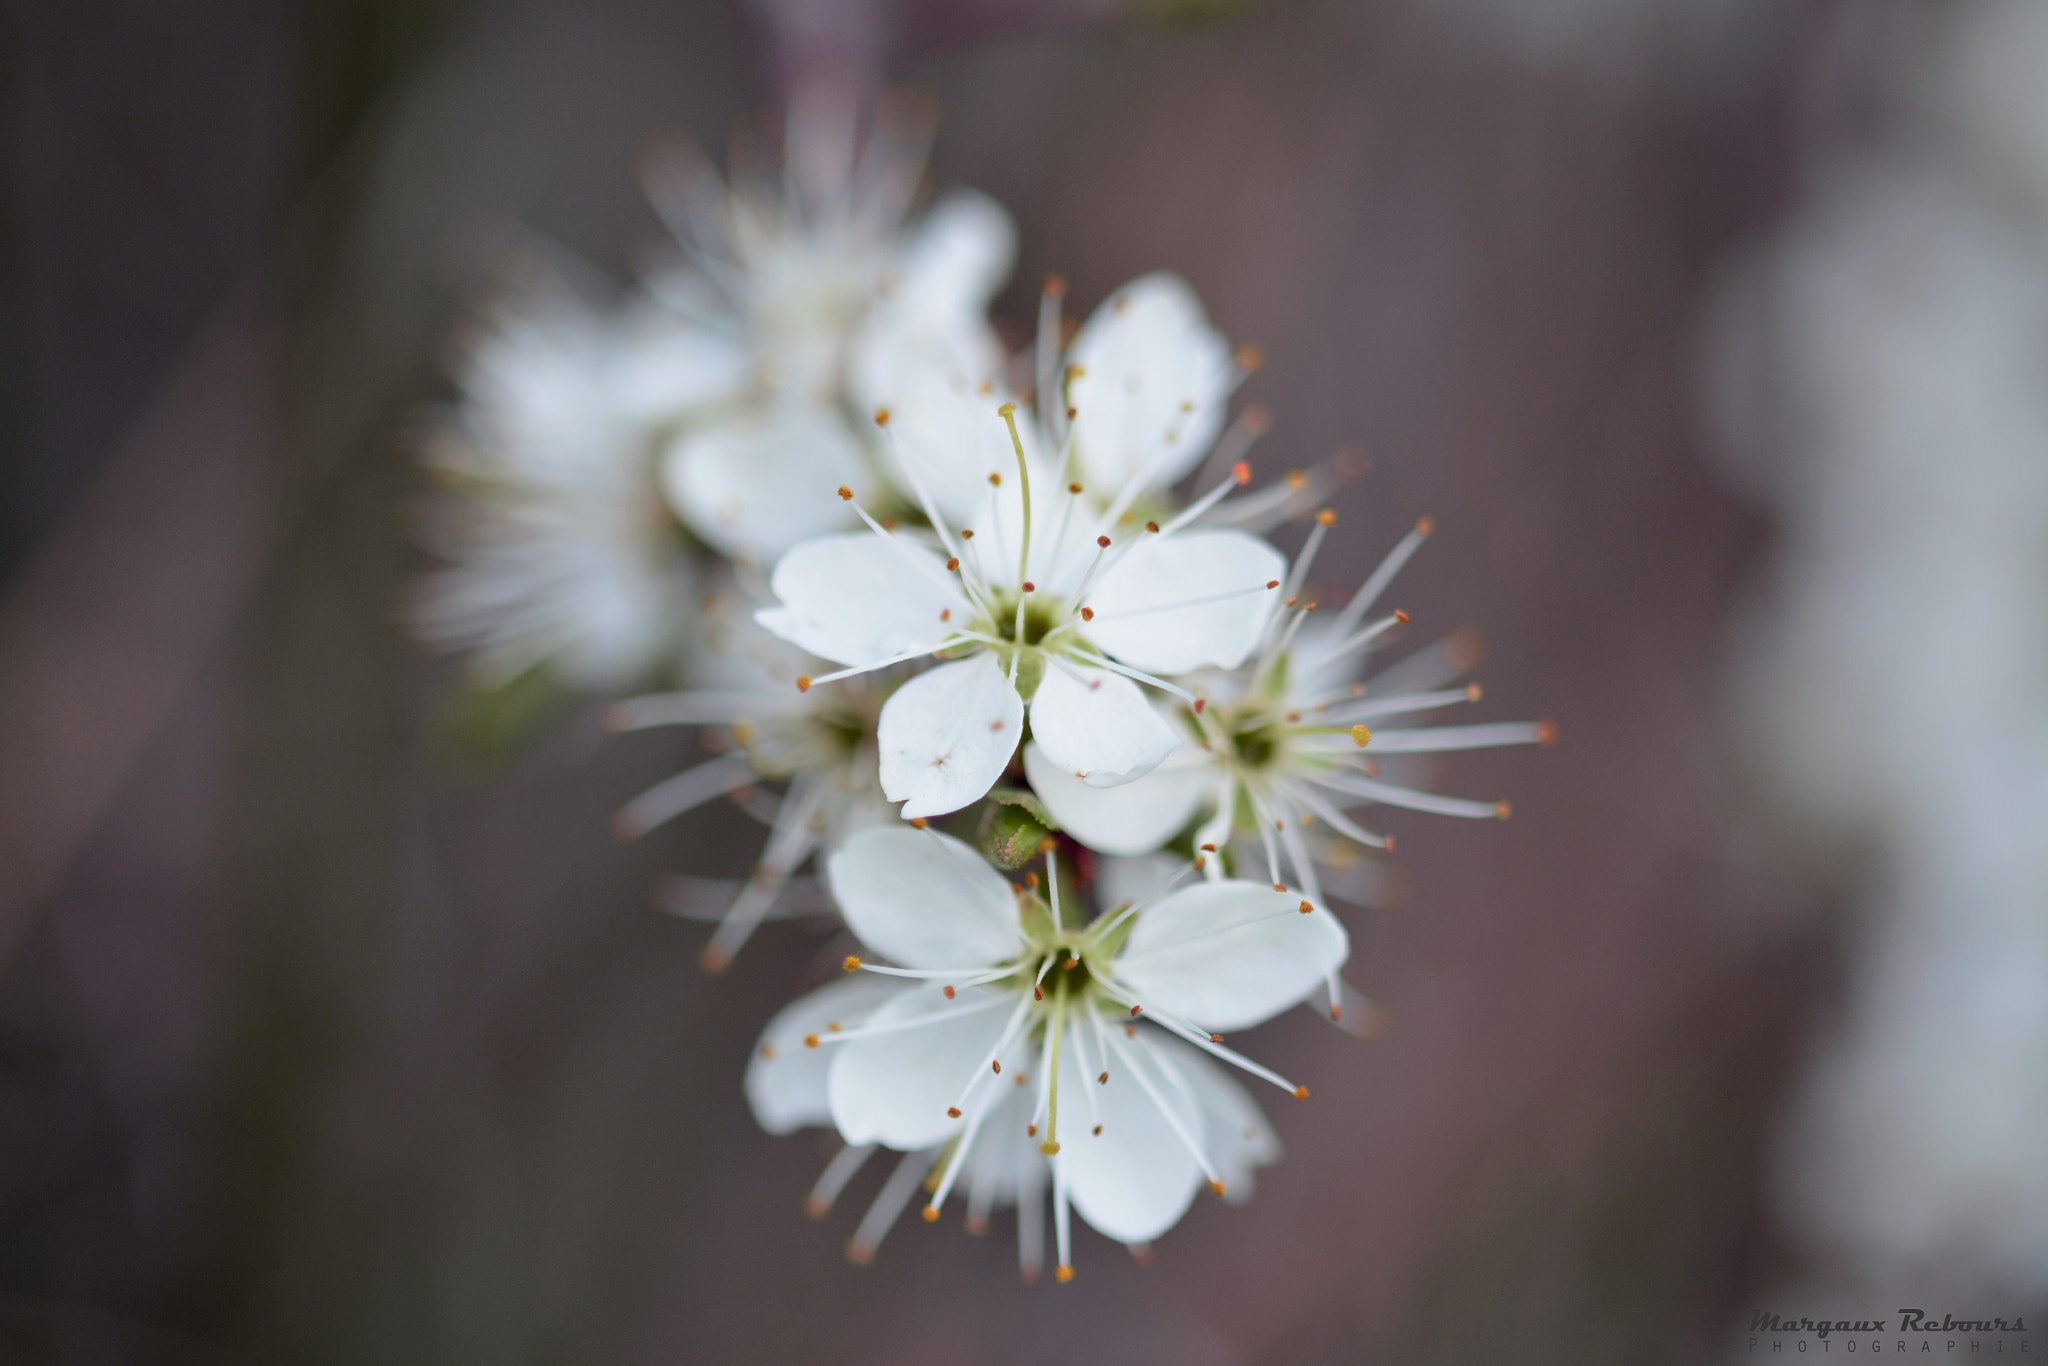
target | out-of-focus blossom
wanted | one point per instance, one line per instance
(999, 1009)
(1882, 372)
(820, 745)
(1043, 606)
(787, 266)
(560, 551)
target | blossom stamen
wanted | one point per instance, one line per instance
(1376, 582)
(845, 1164)
(687, 790)
(887, 1206)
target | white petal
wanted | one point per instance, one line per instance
(947, 735)
(758, 482)
(1097, 725)
(1004, 1157)
(1235, 1135)
(859, 599)
(944, 434)
(956, 258)
(924, 900)
(1134, 1180)
(1177, 960)
(1139, 623)
(1121, 880)
(664, 364)
(1155, 378)
(785, 1080)
(1133, 818)
(895, 1088)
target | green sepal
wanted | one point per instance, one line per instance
(1011, 834)
(1017, 796)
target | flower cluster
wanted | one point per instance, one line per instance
(904, 580)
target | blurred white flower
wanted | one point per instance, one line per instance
(1043, 606)
(820, 745)
(560, 549)
(999, 1010)
(1281, 748)
(788, 265)
(1881, 371)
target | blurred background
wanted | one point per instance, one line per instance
(1713, 333)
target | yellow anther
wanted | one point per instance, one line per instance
(852, 963)
(1361, 736)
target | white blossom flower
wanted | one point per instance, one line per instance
(819, 745)
(1281, 749)
(1045, 608)
(1000, 1011)
(560, 549)
(790, 266)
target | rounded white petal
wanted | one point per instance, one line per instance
(944, 435)
(1097, 725)
(895, 1088)
(1132, 818)
(1219, 576)
(948, 734)
(924, 900)
(1181, 958)
(858, 599)
(1235, 1135)
(785, 1080)
(758, 482)
(1135, 1179)
(1154, 381)
(956, 258)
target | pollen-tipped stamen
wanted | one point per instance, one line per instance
(1376, 582)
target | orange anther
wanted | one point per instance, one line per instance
(846, 493)
(1241, 472)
